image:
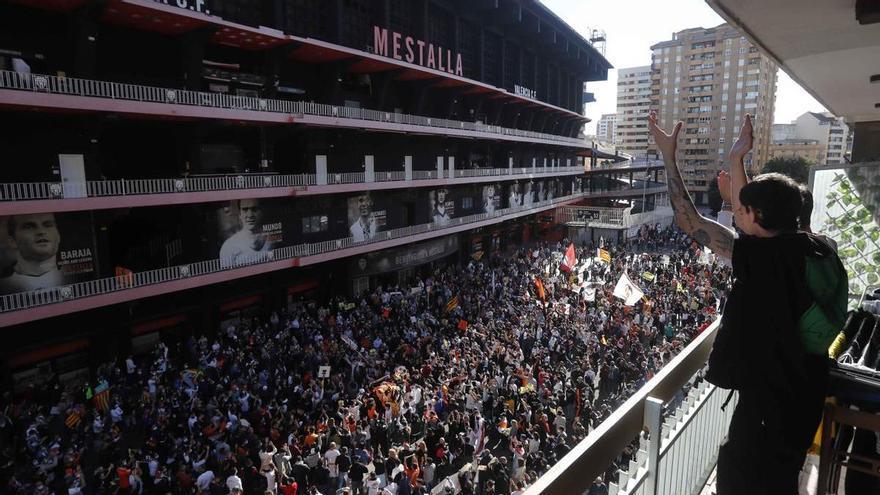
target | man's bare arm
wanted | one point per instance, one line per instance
(740, 149)
(703, 230)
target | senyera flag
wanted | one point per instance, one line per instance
(569, 261)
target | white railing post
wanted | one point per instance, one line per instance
(439, 167)
(407, 168)
(451, 161)
(369, 169)
(653, 413)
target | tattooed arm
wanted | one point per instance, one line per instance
(708, 233)
(740, 149)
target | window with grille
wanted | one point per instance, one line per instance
(492, 59)
(469, 47)
(357, 23)
(307, 18)
(440, 28)
(403, 16)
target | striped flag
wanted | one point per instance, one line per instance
(604, 255)
(452, 304)
(102, 396)
(73, 420)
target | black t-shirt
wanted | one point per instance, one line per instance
(758, 347)
(357, 472)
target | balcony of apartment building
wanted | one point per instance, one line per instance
(665, 438)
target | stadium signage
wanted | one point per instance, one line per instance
(415, 51)
(193, 5)
(524, 91)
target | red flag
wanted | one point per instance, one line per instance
(570, 259)
(542, 295)
(462, 325)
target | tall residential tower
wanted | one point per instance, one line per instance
(710, 79)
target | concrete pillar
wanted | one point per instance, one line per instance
(451, 162)
(439, 167)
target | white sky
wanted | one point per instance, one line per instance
(632, 26)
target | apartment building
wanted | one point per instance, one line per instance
(606, 128)
(710, 79)
(829, 131)
(633, 104)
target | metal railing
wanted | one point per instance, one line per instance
(668, 463)
(128, 187)
(30, 299)
(136, 92)
(682, 450)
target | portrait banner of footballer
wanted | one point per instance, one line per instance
(45, 250)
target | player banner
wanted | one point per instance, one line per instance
(45, 250)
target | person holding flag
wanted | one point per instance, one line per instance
(569, 261)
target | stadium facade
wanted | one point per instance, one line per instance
(175, 164)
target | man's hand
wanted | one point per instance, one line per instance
(743, 144)
(666, 142)
(724, 186)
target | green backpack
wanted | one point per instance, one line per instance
(828, 285)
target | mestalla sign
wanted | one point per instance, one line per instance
(415, 51)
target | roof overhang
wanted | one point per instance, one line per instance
(821, 44)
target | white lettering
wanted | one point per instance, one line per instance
(410, 56)
(431, 64)
(76, 253)
(271, 226)
(200, 5)
(380, 41)
(396, 43)
(181, 4)
(421, 51)
(403, 47)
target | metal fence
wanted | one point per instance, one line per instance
(682, 450)
(25, 300)
(127, 187)
(136, 92)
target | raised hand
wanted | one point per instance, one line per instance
(666, 142)
(743, 143)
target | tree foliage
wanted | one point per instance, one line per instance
(798, 168)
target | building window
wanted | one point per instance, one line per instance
(721, 140)
(315, 224)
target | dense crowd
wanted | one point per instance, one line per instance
(475, 366)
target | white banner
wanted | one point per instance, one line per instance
(628, 291)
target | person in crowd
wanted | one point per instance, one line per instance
(365, 226)
(787, 304)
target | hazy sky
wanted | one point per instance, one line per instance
(632, 26)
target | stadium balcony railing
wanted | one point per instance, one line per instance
(24, 300)
(135, 92)
(678, 423)
(18, 191)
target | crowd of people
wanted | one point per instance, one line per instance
(476, 379)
